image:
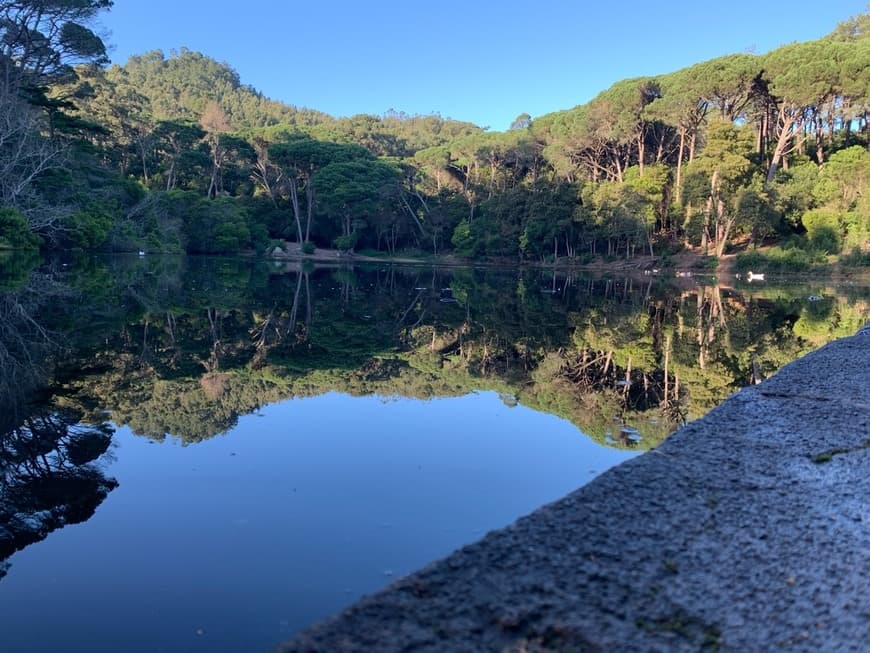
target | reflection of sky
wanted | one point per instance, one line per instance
(234, 543)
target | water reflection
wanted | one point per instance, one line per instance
(184, 346)
(25, 340)
(182, 350)
(52, 476)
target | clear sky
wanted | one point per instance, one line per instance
(485, 62)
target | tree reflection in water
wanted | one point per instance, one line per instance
(51, 476)
(51, 471)
(183, 347)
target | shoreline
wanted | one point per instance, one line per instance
(690, 264)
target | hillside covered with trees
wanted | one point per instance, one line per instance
(175, 154)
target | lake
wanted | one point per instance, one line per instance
(204, 454)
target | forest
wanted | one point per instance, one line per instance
(761, 154)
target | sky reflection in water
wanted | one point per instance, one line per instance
(234, 543)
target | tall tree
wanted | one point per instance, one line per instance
(176, 143)
(351, 191)
(683, 105)
(302, 157)
(215, 123)
(42, 40)
(803, 79)
(726, 166)
(40, 43)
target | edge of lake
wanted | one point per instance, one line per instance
(745, 530)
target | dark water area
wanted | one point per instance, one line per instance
(205, 454)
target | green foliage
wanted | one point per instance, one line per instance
(90, 228)
(857, 225)
(216, 226)
(462, 240)
(618, 211)
(793, 192)
(651, 186)
(844, 178)
(649, 164)
(44, 39)
(154, 224)
(351, 193)
(780, 260)
(755, 213)
(180, 86)
(823, 229)
(14, 231)
(307, 155)
(346, 243)
(728, 154)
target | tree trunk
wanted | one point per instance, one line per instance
(788, 121)
(705, 232)
(667, 365)
(723, 229)
(641, 151)
(492, 168)
(212, 186)
(413, 214)
(820, 145)
(678, 186)
(294, 201)
(143, 155)
(309, 196)
(170, 176)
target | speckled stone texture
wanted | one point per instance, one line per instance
(747, 530)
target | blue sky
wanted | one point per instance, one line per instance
(485, 62)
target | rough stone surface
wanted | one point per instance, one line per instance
(747, 530)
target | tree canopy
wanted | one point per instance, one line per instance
(734, 148)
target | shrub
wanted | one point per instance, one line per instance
(212, 226)
(706, 263)
(857, 225)
(89, 229)
(14, 232)
(345, 243)
(778, 259)
(823, 229)
(462, 240)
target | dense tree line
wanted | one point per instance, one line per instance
(176, 154)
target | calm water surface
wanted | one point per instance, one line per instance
(234, 543)
(208, 455)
